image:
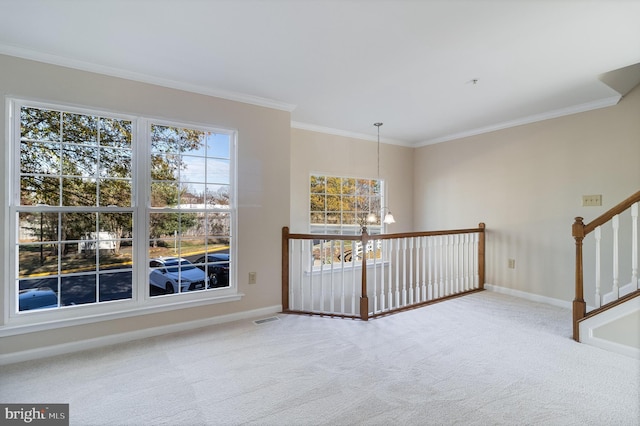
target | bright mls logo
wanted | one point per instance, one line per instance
(35, 414)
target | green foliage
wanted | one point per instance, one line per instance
(166, 224)
(69, 159)
(336, 200)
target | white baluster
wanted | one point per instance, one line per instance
(438, 284)
(342, 288)
(417, 280)
(353, 277)
(404, 272)
(448, 287)
(390, 280)
(437, 262)
(292, 288)
(456, 262)
(459, 285)
(463, 258)
(410, 282)
(454, 249)
(377, 254)
(598, 237)
(441, 262)
(468, 261)
(634, 246)
(425, 272)
(436, 266)
(476, 268)
(463, 268)
(431, 272)
(306, 257)
(444, 270)
(383, 251)
(452, 264)
(311, 274)
(616, 227)
(322, 260)
(331, 277)
(397, 273)
(372, 244)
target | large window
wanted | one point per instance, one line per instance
(108, 208)
(342, 205)
(74, 214)
(190, 216)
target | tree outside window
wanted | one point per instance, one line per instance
(77, 202)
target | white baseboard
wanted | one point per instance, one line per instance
(98, 342)
(529, 296)
(610, 346)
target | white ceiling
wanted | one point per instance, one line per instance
(341, 65)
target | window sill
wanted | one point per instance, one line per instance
(47, 323)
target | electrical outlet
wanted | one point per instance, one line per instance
(253, 277)
(512, 264)
(592, 200)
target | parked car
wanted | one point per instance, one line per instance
(216, 266)
(173, 274)
(37, 298)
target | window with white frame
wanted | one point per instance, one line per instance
(109, 208)
(343, 205)
(190, 215)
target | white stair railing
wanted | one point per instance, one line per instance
(365, 276)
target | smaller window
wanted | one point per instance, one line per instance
(341, 205)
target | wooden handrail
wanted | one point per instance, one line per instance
(609, 214)
(480, 228)
(579, 230)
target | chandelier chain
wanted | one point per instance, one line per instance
(378, 153)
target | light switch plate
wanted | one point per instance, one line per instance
(592, 200)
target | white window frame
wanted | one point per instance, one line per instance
(141, 303)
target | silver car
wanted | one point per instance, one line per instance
(173, 275)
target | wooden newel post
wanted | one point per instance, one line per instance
(285, 268)
(481, 258)
(579, 305)
(364, 299)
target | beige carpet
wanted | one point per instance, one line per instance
(485, 359)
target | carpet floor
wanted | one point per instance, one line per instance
(482, 359)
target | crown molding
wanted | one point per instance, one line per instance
(347, 134)
(143, 78)
(575, 109)
(269, 103)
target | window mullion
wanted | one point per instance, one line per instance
(141, 203)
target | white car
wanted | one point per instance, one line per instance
(173, 275)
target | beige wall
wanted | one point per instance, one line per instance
(618, 331)
(526, 183)
(314, 152)
(263, 180)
